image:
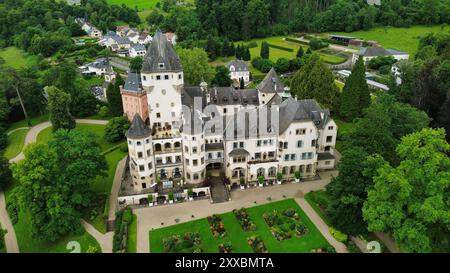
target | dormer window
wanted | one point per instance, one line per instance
(161, 65)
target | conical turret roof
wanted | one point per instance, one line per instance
(138, 128)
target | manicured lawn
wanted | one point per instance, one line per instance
(405, 39)
(238, 238)
(104, 184)
(98, 130)
(15, 143)
(28, 244)
(17, 58)
(140, 4)
(132, 236)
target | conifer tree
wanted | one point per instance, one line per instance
(356, 96)
(241, 83)
(247, 56)
(315, 81)
(300, 52)
(265, 50)
(114, 97)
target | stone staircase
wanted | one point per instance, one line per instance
(219, 191)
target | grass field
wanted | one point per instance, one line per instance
(16, 58)
(15, 143)
(140, 4)
(28, 244)
(405, 39)
(238, 238)
(132, 236)
(276, 53)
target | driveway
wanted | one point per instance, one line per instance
(151, 218)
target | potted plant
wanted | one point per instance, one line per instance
(171, 197)
(261, 181)
(279, 178)
(150, 200)
(297, 176)
(242, 183)
(190, 193)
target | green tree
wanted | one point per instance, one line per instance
(136, 64)
(116, 128)
(315, 81)
(300, 52)
(195, 65)
(241, 83)
(356, 95)
(410, 201)
(5, 173)
(265, 50)
(114, 97)
(58, 105)
(282, 65)
(246, 56)
(54, 182)
(347, 193)
(222, 77)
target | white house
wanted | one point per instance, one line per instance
(369, 53)
(99, 67)
(90, 29)
(137, 50)
(239, 70)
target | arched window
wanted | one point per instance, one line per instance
(158, 147)
(260, 172)
(272, 171)
(167, 146)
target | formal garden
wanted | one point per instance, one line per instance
(278, 227)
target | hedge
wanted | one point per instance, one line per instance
(339, 236)
(296, 41)
(281, 47)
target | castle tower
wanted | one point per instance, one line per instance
(134, 97)
(162, 78)
(140, 150)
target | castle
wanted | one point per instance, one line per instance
(179, 135)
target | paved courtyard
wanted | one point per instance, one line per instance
(151, 218)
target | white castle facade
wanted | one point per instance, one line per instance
(180, 134)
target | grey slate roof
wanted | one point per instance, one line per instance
(231, 96)
(133, 82)
(239, 152)
(138, 128)
(302, 110)
(138, 47)
(161, 52)
(372, 51)
(275, 100)
(271, 83)
(239, 65)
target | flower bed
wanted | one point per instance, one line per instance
(243, 219)
(257, 244)
(285, 225)
(225, 248)
(189, 243)
(217, 227)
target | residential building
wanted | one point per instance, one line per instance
(238, 70)
(371, 52)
